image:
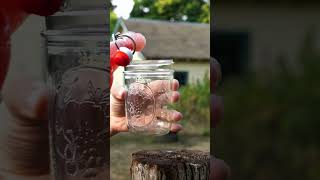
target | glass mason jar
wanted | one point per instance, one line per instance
(148, 84)
(77, 71)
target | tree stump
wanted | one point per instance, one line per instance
(170, 165)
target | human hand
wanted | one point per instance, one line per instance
(219, 170)
(118, 120)
(24, 149)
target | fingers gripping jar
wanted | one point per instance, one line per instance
(149, 87)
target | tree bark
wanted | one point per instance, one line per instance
(170, 165)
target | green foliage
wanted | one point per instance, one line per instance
(194, 10)
(195, 106)
(271, 126)
(113, 20)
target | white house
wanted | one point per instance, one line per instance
(188, 44)
(249, 34)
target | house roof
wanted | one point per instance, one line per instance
(176, 40)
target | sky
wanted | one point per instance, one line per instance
(124, 8)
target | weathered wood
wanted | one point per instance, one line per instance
(170, 165)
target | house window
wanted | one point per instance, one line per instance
(231, 49)
(181, 76)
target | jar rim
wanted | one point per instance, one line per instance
(78, 31)
(144, 70)
(150, 63)
(150, 73)
(82, 11)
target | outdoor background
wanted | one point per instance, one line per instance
(179, 30)
(269, 54)
(270, 59)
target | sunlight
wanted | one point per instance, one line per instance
(123, 8)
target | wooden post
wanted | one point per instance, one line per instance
(170, 165)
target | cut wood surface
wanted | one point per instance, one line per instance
(170, 165)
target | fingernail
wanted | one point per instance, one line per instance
(176, 127)
(176, 83)
(175, 96)
(178, 116)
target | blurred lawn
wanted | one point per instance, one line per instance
(271, 121)
(123, 145)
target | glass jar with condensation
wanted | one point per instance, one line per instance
(77, 71)
(148, 84)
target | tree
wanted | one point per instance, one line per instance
(113, 16)
(113, 20)
(174, 10)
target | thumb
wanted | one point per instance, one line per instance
(118, 93)
(24, 136)
(27, 98)
(117, 90)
